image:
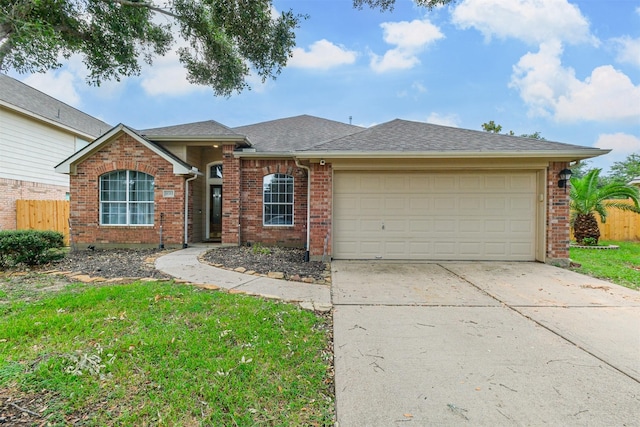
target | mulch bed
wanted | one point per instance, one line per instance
(263, 260)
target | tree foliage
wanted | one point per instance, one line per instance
(580, 169)
(588, 197)
(626, 170)
(225, 40)
(493, 127)
(389, 4)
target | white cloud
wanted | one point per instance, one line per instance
(607, 95)
(410, 38)
(322, 55)
(58, 84)
(548, 88)
(452, 119)
(531, 21)
(621, 144)
(416, 89)
(167, 76)
(628, 50)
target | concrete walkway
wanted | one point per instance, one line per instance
(185, 265)
(483, 344)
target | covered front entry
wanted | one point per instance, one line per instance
(479, 215)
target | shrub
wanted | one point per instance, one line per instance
(30, 247)
(258, 249)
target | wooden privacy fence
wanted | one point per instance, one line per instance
(620, 225)
(43, 215)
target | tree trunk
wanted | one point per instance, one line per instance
(586, 226)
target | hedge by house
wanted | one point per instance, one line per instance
(30, 247)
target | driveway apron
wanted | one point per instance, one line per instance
(480, 343)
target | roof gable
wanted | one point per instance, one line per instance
(294, 133)
(204, 129)
(69, 165)
(23, 98)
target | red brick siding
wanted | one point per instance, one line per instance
(252, 230)
(125, 153)
(557, 216)
(12, 190)
(230, 196)
(321, 209)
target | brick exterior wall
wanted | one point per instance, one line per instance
(252, 229)
(230, 196)
(125, 153)
(321, 209)
(12, 190)
(558, 214)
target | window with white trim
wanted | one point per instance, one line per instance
(126, 198)
(277, 199)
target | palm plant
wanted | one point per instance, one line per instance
(588, 198)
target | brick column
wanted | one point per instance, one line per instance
(558, 213)
(230, 196)
(321, 209)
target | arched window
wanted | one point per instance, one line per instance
(126, 198)
(277, 199)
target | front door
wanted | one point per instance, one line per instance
(215, 212)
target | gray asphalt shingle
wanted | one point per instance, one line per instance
(408, 136)
(20, 95)
(198, 129)
(294, 133)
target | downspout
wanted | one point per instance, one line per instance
(186, 208)
(298, 164)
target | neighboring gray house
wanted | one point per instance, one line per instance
(36, 133)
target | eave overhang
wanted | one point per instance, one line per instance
(238, 141)
(556, 155)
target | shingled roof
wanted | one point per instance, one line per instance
(408, 136)
(294, 133)
(208, 128)
(16, 95)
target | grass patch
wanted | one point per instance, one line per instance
(621, 266)
(166, 354)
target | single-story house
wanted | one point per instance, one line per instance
(398, 190)
(635, 182)
(36, 133)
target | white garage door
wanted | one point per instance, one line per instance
(439, 216)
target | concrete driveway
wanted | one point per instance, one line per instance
(482, 343)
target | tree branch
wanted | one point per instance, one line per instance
(149, 6)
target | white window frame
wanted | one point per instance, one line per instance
(268, 218)
(127, 202)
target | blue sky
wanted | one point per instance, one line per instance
(567, 69)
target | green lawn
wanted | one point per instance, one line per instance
(621, 266)
(164, 354)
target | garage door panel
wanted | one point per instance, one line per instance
(445, 183)
(470, 183)
(445, 249)
(495, 249)
(420, 226)
(520, 227)
(474, 216)
(419, 184)
(369, 226)
(420, 203)
(446, 203)
(496, 183)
